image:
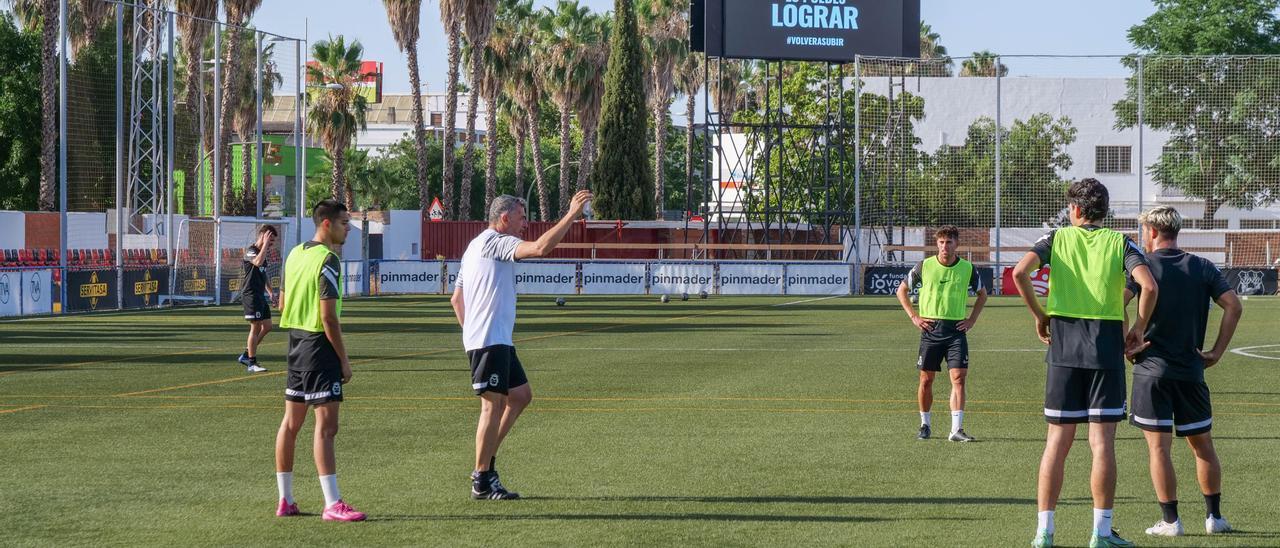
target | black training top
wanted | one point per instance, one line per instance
(1187, 283)
(253, 280)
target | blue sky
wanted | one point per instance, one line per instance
(1008, 27)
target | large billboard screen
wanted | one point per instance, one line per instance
(811, 30)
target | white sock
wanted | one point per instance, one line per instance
(957, 421)
(284, 481)
(1102, 521)
(1044, 521)
(329, 484)
(924, 418)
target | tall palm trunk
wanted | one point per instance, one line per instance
(248, 181)
(566, 149)
(419, 131)
(521, 143)
(338, 188)
(544, 201)
(689, 106)
(230, 69)
(48, 102)
(450, 118)
(469, 140)
(491, 150)
(660, 121)
(588, 156)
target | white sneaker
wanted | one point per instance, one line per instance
(1214, 525)
(1163, 528)
(255, 368)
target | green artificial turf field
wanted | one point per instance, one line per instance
(730, 421)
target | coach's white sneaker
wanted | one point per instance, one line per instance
(1163, 528)
(1214, 525)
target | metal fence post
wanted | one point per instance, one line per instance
(62, 155)
(169, 144)
(120, 168)
(998, 279)
(217, 165)
(857, 172)
(1142, 105)
(257, 91)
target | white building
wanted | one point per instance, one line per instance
(390, 120)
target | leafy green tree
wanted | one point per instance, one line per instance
(1220, 111)
(19, 122)
(622, 179)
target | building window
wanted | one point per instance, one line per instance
(437, 118)
(1114, 159)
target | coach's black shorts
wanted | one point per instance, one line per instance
(256, 307)
(1074, 395)
(496, 369)
(943, 342)
(1171, 405)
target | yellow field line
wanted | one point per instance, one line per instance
(468, 409)
(27, 408)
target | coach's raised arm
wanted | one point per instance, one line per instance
(545, 244)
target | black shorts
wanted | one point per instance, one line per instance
(496, 369)
(315, 371)
(256, 308)
(1074, 395)
(943, 342)
(1171, 405)
(314, 387)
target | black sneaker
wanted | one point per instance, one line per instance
(486, 486)
(959, 435)
(924, 432)
(244, 359)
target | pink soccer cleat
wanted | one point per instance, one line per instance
(340, 511)
(287, 509)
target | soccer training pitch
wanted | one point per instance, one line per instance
(728, 421)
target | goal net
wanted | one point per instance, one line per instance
(209, 266)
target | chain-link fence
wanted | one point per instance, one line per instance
(989, 144)
(166, 120)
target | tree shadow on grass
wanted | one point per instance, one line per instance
(794, 499)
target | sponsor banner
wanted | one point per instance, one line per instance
(143, 287)
(407, 277)
(352, 278)
(677, 278)
(1039, 280)
(10, 293)
(819, 279)
(752, 279)
(883, 280)
(613, 278)
(546, 278)
(91, 290)
(1252, 281)
(451, 275)
(195, 281)
(37, 292)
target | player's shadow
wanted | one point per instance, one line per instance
(794, 499)
(693, 516)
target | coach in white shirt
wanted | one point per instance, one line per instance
(484, 300)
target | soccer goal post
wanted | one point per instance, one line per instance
(208, 265)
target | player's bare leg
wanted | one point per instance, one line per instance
(924, 396)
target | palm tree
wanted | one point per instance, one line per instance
(936, 62)
(689, 79)
(451, 14)
(498, 59)
(193, 24)
(338, 112)
(983, 63)
(513, 114)
(524, 86)
(238, 11)
(731, 87)
(595, 59)
(83, 19)
(665, 26)
(403, 15)
(563, 34)
(478, 22)
(246, 118)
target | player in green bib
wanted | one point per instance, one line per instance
(944, 282)
(1084, 328)
(318, 365)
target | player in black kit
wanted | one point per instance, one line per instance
(255, 294)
